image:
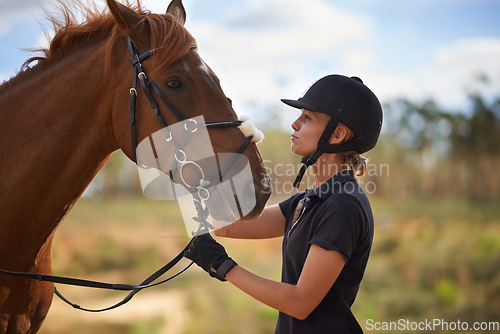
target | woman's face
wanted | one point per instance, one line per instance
(307, 131)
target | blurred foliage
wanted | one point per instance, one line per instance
(437, 153)
(433, 259)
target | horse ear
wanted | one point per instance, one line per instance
(177, 10)
(126, 19)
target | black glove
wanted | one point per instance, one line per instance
(206, 253)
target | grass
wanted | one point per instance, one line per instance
(431, 259)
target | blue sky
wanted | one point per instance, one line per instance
(264, 50)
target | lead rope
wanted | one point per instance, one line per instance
(200, 195)
(199, 199)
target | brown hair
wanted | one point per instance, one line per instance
(353, 160)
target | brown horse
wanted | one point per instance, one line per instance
(61, 120)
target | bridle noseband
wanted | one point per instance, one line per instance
(150, 89)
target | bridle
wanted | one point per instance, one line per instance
(150, 88)
(199, 192)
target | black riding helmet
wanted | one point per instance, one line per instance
(346, 100)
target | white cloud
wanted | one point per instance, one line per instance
(453, 72)
(4, 77)
(265, 50)
(358, 59)
(458, 65)
(12, 10)
(389, 86)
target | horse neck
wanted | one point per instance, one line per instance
(56, 133)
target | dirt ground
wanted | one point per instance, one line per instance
(166, 311)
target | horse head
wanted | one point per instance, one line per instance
(179, 93)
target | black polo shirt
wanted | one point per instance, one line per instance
(336, 216)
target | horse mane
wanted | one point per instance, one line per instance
(169, 39)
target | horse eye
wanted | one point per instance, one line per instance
(174, 84)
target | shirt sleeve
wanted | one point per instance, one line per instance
(339, 225)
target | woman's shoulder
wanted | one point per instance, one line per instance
(351, 194)
(341, 202)
(350, 203)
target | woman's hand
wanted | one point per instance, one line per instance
(210, 256)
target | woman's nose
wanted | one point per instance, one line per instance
(296, 125)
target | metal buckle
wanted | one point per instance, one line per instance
(195, 125)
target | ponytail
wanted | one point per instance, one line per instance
(354, 161)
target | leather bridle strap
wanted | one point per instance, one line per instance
(147, 283)
(140, 74)
(136, 289)
(148, 87)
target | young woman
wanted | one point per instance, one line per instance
(327, 230)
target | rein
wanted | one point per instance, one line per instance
(147, 283)
(199, 192)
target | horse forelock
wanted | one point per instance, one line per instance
(169, 39)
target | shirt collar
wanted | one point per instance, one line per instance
(330, 186)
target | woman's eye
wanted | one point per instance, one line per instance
(174, 84)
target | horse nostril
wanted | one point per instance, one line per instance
(264, 186)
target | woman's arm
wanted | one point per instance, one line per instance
(270, 224)
(320, 272)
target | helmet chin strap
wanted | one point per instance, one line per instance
(324, 146)
(306, 161)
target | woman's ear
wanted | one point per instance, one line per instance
(338, 135)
